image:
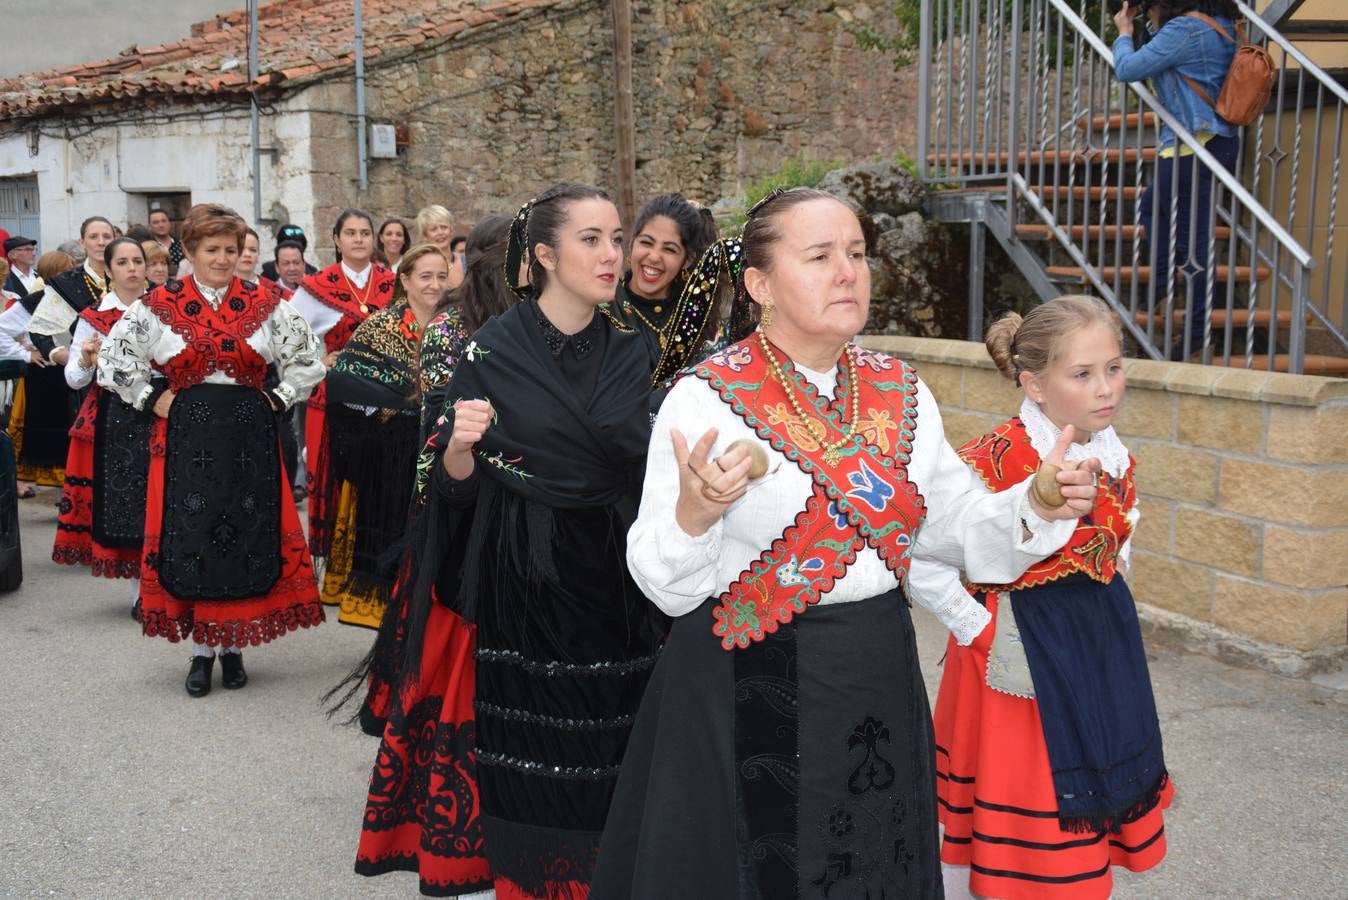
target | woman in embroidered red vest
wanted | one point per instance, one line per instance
(1048, 746)
(102, 513)
(334, 302)
(225, 562)
(783, 748)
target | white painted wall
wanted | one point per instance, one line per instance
(207, 155)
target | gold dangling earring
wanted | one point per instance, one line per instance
(765, 319)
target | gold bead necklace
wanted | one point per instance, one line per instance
(659, 332)
(833, 450)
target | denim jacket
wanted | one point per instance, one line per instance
(1189, 46)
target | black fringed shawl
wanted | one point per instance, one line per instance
(544, 455)
(377, 371)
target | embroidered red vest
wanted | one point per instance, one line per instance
(863, 499)
(332, 288)
(268, 286)
(1004, 457)
(216, 339)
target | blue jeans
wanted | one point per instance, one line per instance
(1180, 179)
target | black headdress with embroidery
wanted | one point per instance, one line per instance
(517, 250)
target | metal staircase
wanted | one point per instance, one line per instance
(1027, 135)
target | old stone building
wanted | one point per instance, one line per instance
(490, 101)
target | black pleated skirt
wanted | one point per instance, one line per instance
(801, 766)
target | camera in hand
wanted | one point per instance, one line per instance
(1139, 6)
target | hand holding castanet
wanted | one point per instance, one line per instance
(472, 418)
(89, 351)
(707, 487)
(1063, 489)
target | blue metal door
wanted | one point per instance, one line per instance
(19, 207)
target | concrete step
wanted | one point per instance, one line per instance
(1240, 318)
(1042, 232)
(1086, 156)
(1077, 275)
(1119, 120)
(1092, 193)
(1332, 366)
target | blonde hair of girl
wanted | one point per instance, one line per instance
(1033, 342)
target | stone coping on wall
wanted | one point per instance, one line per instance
(1180, 378)
(1242, 548)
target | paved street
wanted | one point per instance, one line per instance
(115, 784)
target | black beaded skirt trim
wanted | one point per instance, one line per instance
(121, 471)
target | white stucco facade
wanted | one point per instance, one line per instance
(205, 151)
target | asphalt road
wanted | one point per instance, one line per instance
(114, 783)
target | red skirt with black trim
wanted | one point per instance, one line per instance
(75, 544)
(423, 806)
(292, 602)
(323, 490)
(996, 802)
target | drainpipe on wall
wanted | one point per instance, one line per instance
(360, 101)
(255, 123)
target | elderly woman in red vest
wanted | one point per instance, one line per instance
(225, 561)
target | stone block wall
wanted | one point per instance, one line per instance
(1242, 546)
(724, 92)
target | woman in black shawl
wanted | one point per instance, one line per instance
(374, 406)
(532, 485)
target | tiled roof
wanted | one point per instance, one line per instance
(298, 41)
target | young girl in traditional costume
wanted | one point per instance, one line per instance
(334, 302)
(783, 748)
(374, 421)
(225, 562)
(1048, 746)
(102, 512)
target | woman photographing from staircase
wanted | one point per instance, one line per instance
(1186, 60)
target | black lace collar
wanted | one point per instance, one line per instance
(582, 342)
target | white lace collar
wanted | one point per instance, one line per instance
(213, 296)
(1103, 445)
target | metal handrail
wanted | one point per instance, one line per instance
(1181, 133)
(1069, 170)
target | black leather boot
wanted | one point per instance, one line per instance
(199, 676)
(232, 675)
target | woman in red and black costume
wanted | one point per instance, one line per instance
(1049, 756)
(783, 746)
(334, 302)
(42, 432)
(102, 513)
(225, 562)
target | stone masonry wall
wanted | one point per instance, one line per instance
(1243, 485)
(724, 92)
